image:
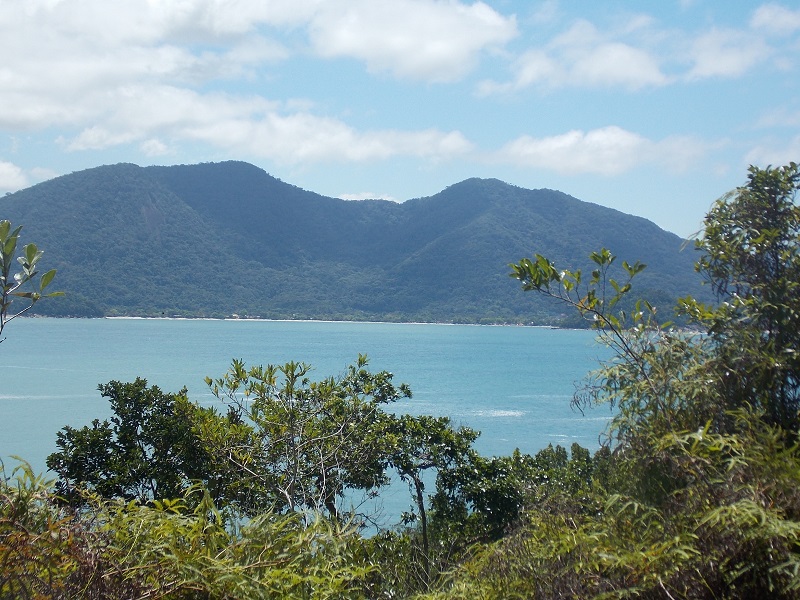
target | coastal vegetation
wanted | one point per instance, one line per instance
(695, 493)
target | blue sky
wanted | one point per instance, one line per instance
(652, 108)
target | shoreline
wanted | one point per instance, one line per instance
(264, 320)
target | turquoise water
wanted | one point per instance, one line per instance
(514, 384)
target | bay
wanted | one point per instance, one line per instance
(514, 384)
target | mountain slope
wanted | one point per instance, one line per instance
(227, 238)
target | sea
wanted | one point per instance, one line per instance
(513, 384)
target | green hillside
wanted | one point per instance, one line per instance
(214, 240)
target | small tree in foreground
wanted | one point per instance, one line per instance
(149, 449)
(751, 259)
(310, 442)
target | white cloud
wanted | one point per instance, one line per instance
(66, 62)
(421, 39)
(138, 73)
(780, 117)
(545, 12)
(604, 151)
(634, 54)
(151, 21)
(252, 125)
(42, 174)
(437, 40)
(725, 53)
(532, 68)
(680, 153)
(12, 177)
(231, 17)
(428, 40)
(367, 196)
(153, 147)
(305, 138)
(98, 138)
(582, 56)
(617, 64)
(776, 19)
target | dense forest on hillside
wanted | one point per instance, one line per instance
(217, 240)
(696, 493)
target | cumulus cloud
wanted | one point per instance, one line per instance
(154, 147)
(59, 68)
(776, 19)
(306, 138)
(780, 117)
(636, 54)
(726, 53)
(583, 56)
(417, 39)
(605, 151)
(149, 21)
(12, 177)
(254, 126)
(148, 73)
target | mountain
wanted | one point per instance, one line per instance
(222, 239)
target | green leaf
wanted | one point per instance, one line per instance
(9, 247)
(31, 253)
(47, 278)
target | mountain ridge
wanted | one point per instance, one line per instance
(217, 239)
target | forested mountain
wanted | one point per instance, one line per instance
(219, 239)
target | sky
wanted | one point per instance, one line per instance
(652, 108)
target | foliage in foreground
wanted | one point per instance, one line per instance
(695, 495)
(731, 531)
(705, 501)
(171, 549)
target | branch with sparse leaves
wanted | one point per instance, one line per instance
(594, 300)
(635, 335)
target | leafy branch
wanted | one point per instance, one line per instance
(12, 286)
(634, 335)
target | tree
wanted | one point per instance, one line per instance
(21, 284)
(483, 498)
(312, 441)
(149, 450)
(751, 259)
(644, 379)
(421, 444)
(704, 500)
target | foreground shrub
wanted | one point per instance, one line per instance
(126, 550)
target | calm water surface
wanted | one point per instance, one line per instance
(514, 384)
